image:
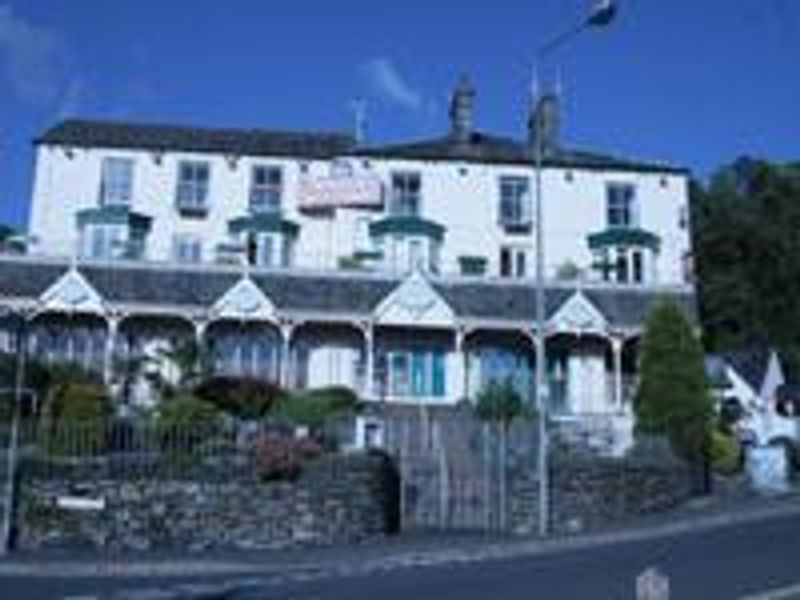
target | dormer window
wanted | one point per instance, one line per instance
(621, 205)
(266, 189)
(406, 198)
(116, 182)
(193, 183)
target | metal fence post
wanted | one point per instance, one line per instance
(11, 463)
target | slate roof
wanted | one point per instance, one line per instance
(750, 363)
(239, 142)
(481, 147)
(354, 294)
(486, 148)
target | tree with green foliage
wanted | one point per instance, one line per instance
(499, 402)
(673, 398)
(745, 223)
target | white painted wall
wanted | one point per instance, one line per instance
(589, 383)
(761, 418)
(462, 197)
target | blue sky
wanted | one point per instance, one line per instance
(691, 82)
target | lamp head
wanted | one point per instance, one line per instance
(602, 14)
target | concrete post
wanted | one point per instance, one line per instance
(368, 330)
(109, 349)
(616, 350)
(287, 330)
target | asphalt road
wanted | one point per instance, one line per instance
(733, 562)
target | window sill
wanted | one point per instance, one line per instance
(193, 212)
(517, 228)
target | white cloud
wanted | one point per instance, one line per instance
(386, 82)
(33, 59)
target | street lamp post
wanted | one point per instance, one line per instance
(602, 15)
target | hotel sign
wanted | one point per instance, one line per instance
(343, 188)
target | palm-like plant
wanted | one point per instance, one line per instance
(188, 359)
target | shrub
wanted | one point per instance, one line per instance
(726, 454)
(499, 402)
(240, 397)
(731, 412)
(185, 421)
(76, 419)
(187, 413)
(281, 457)
(314, 408)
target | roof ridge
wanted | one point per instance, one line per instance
(144, 123)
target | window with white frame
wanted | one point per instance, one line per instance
(416, 254)
(623, 265)
(266, 189)
(264, 250)
(626, 264)
(361, 239)
(116, 181)
(193, 183)
(187, 249)
(246, 355)
(621, 205)
(406, 196)
(417, 373)
(513, 262)
(515, 202)
(103, 242)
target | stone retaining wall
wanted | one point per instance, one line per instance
(341, 499)
(588, 494)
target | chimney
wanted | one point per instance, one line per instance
(544, 123)
(462, 110)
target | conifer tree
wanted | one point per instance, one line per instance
(673, 398)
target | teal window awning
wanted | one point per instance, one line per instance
(624, 237)
(264, 223)
(406, 226)
(115, 215)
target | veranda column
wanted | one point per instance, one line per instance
(616, 350)
(200, 330)
(368, 329)
(287, 330)
(461, 362)
(200, 327)
(532, 338)
(109, 349)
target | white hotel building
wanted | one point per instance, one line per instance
(403, 271)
